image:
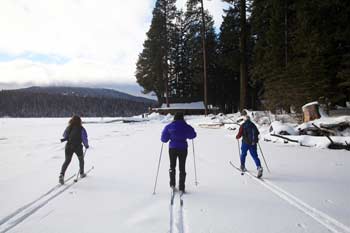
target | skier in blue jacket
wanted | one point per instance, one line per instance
(178, 132)
(75, 134)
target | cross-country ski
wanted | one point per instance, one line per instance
(177, 212)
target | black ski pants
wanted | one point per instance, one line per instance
(69, 151)
(182, 155)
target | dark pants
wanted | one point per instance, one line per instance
(173, 155)
(69, 151)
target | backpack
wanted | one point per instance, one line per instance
(250, 133)
(74, 136)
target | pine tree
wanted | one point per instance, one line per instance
(315, 52)
(268, 31)
(152, 68)
(301, 51)
(341, 85)
(229, 62)
(179, 85)
(193, 54)
(243, 51)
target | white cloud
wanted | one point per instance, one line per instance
(77, 70)
(99, 39)
(215, 8)
(88, 28)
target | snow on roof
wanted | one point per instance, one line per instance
(309, 104)
(193, 105)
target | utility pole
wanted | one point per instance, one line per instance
(204, 60)
(286, 32)
(243, 57)
(166, 57)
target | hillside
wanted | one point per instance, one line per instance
(86, 92)
(65, 101)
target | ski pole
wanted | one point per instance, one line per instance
(76, 178)
(239, 154)
(160, 157)
(263, 158)
(194, 162)
(239, 150)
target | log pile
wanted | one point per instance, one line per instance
(340, 127)
(326, 129)
(334, 145)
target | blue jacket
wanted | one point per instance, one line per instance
(178, 132)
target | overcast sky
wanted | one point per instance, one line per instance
(76, 42)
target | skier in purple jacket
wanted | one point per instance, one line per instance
(75, 135)
(178, 132)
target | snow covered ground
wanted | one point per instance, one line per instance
(307, 190)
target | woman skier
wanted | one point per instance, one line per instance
(75, 134)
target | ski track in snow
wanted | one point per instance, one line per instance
(171, 218)
(18, 216)
(182, 216)
(171, 208)
(19, 210)
(177, 223)
(22, 216)
(330, 223)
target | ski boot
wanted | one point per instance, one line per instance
(61, 179)
(243, 169)
(82, 175)
(182, 190)
(260, 172)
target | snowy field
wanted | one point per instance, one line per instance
(307, 190)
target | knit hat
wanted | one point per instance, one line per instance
(179, 116)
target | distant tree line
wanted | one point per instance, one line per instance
(15, 103)
(293, 52)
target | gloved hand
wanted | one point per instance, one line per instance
(87, 147)
(63, 139)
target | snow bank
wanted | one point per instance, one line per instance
(281, 125)
(284, 125)
(325, 120)
(277, 127)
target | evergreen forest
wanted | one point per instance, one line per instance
(267, 54)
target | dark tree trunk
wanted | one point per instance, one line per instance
(243, 51)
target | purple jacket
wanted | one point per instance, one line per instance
(178, 132)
